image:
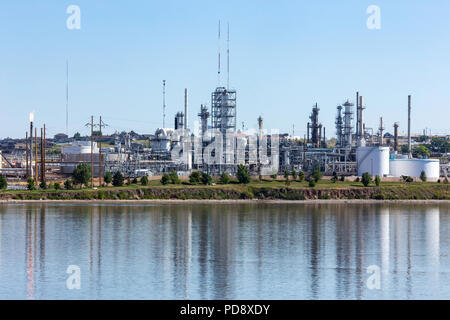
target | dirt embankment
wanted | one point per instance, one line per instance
(426, 192)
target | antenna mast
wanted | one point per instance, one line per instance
(228, 55)
(164, 104)
(67, 97)
(218, 70)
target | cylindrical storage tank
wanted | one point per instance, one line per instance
(414, 167)
(374, 160)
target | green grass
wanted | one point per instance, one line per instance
(266, 189)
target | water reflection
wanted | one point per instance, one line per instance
(224, 251)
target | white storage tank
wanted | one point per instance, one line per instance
(374, 160)
(414, 167)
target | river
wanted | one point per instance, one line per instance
(224, 251)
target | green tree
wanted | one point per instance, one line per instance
(31, 184)
(165, 179)
(77, 136)
(135, 181)
(317, 175)
(242, 174)
(118, 179)
(445, 180)
(423, 176)
(421, 150)
(174, 177)
(68, 184)
(195, 177)
(334, 178)
(82, 174)
(144, 180)
(294, 175)
(274, 176)
(43, 185)
(3, 182)
(301, 176)
(312, 183)
(206, 178)
(404, 149)
(377, 180)
(224, 178)
(366, 179)
(108, 177)
(286, 177)
(57, 186)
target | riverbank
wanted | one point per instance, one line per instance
(219, 202)
(253, 191)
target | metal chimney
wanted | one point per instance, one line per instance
(409, 127)
(185, 108)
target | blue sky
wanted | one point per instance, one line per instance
(285, 56)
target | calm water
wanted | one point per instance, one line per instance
(224, 251)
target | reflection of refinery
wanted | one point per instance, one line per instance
(217, 146)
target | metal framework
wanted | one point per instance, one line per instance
(223, 109)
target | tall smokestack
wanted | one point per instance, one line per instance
(361, 119)
(396, 136)
(358, 133)
(409, 126)
(185, 108)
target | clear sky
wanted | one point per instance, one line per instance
(285, 56)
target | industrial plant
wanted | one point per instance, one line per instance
(215, 145)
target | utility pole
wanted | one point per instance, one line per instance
(27, 174)
(100, 160)
(92, 149)
(35, 158)
(42, 155)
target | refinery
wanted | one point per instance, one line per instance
(213, 143)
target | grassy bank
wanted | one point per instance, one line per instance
(264, 190)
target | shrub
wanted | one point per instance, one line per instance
(445, 180)
(357, 179)
(224, 178)
(31, 184)
(43, 185)
(3, 182)
(144, 180)
(366, 179)
(195, 177)
(135, 181)
(260, 178)
(312, 183)
(342, 178)
(377, 180)
(274, 176)
(108, 177)
(242, 174)
(82, 174)
(68, 184)
(118, 179)
(206, 178)
(317, 175)
(423, 176)
(334, 178)
(174, 177)
(165, 179)
(286, 176)
(407, 179)
(294, 175)
(57, 186)
(301, 176)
